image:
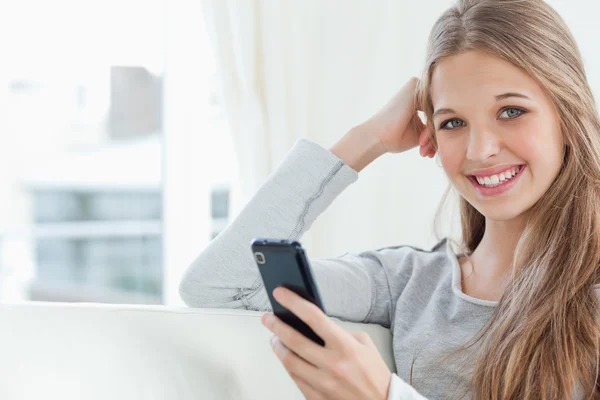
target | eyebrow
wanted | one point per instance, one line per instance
(498, 98)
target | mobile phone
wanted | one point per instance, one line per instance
(284, 263)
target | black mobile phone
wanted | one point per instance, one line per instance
(284, 263)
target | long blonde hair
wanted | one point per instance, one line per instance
(543, 338)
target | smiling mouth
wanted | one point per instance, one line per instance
(497, 179)
(495, 185)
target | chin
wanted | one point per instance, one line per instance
(501, 211)
(501, 214)
(504, 208)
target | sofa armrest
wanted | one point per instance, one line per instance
(97, 351)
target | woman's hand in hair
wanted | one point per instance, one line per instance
(348, 367)
(398, 126)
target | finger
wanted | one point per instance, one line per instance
(309, 392)
(423, 137)
(418, 125)
(431, 153)
(295, 364)
(295, 341)
(362, 337)
(424, 134)
(425, 150)
(430, 149)
(313, 316)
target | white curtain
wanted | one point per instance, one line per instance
(187, 165)
(314, 69)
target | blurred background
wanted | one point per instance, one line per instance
(82, 151)
(132, 132)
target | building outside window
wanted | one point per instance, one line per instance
(81, 156)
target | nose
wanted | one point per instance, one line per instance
(483, 144)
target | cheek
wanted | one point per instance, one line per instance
(526, 149)
(540, 145)
(525, 140)
(451, 156)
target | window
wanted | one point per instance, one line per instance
(82, 152)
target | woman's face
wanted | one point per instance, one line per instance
(498, 134)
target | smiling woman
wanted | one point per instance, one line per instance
(515, 315)
(513, 120)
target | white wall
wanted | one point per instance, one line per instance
(582, 18)
(187, 145)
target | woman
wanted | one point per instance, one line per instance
(514, 315)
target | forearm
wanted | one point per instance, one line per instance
(306, 182)
(358, 148)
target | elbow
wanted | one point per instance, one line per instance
(191, 286)
(186, 293)
(191, 290)
(197, 294)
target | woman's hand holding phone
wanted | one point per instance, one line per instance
(395, 128)
(349, 366)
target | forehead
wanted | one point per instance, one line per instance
(476, 77)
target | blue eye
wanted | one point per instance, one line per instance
(507, 113)
(511, 112)
(452, 123)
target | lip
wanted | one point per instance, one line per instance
(494, 191)
(493, 171)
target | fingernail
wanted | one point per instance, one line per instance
(278, 293)
(266, 319)
(272, 340)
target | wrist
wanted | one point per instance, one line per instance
(388, 387)
(358, 148)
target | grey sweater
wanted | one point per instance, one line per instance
(415, 293)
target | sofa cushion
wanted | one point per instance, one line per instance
(96, 351)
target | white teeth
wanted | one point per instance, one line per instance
(496, 180)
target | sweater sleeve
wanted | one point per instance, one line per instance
(309, 178)
(400, 390)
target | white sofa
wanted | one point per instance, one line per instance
(92, 351)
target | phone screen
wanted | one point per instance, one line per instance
(284, 264)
